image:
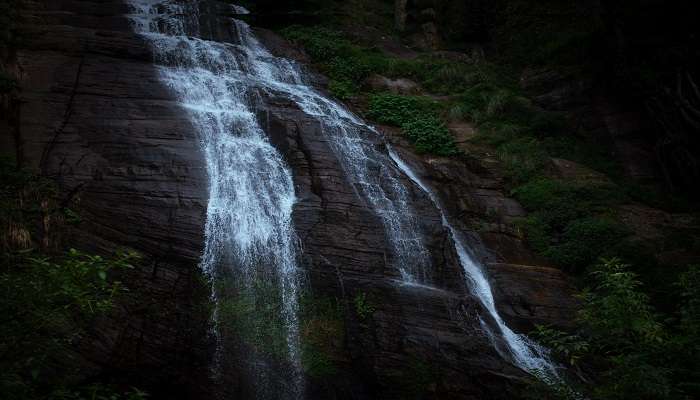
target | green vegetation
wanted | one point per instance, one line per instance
(348, 64)
(419, 120)
(47, 299)
(547, 32)
(363, 306)
(574, 218)
(418, 379)
(47, 303)
(345, 64)
(571, 223)
(323, 333)
(639, 354)
(99, 392)
(255, 316)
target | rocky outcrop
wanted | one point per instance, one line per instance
(533, 295)
(379, 83)
(96, 119)
(431, 24)
(346, 254)
(527, 291)
(597, 115)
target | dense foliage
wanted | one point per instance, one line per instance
(418, 119)
(636, 337)
(48, 298)
(46, 304)
(638, 354)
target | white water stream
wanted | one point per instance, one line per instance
(251, 194)
(525, 353)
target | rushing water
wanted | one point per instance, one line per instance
(525, 353)
(249, 232)
(370, 171)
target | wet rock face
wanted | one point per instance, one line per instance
(412, 330)
(526, 290)
(95, 118)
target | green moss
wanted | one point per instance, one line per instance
(418, 378)
(317, 363)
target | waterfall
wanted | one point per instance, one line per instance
(525, 353)
(370, 171)
(249, 234)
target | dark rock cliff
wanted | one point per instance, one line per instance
(94, 117)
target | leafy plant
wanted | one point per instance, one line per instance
(418, 119)
(430, 135)
(47, 303)
(396, 110)
(363, 306)
(637, 354)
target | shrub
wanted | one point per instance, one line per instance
(396, 110)
(621, 333)
(363, 306)
(523, 159)
(46, 305)
(570, 223)
(430, 135)
(319, 43)
(342, 89)
(418, 119)
(584, 240)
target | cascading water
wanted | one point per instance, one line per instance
(249, 224)
(249, 232)
(370, 171)
(525, 353)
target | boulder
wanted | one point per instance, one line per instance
(379, 83)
